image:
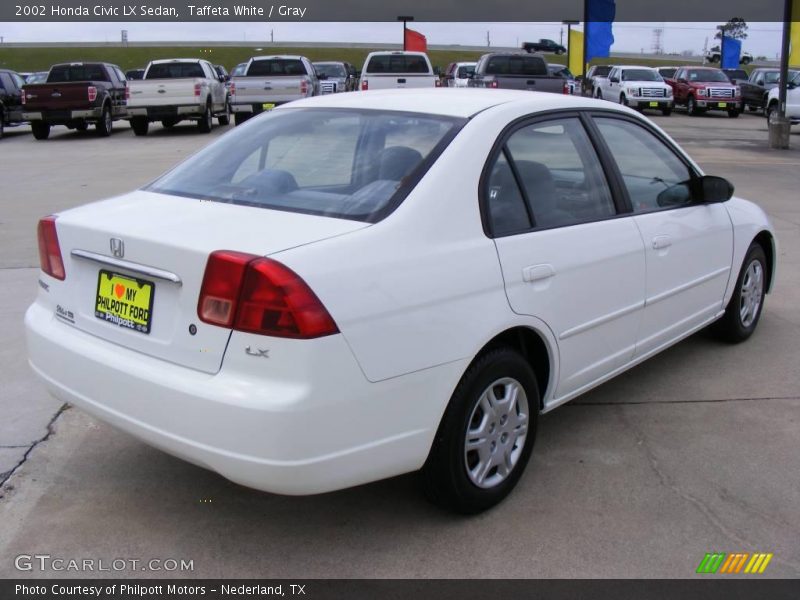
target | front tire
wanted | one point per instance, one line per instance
(41, 130)
(486, 435)
(140, 125)
(239, 118)
(225, 118)
(666, 111)
(691, 107)
(105, 124)
(744, 309)
(733, 114)
(206, 121)
(770, 110)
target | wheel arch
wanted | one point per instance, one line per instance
(766, 240)
(534, 348)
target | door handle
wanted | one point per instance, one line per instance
(661, 241)
(537, 273)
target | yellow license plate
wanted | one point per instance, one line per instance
(124, 301)
(268, 106)
(722, 104)
(654, 104)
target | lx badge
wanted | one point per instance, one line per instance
(257, 352)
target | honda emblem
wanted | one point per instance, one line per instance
(117, 247)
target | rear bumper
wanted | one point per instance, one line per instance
(253, 107)
(58, 117)
(303, 421)
(157, 113)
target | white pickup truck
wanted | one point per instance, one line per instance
(177, 89)
(269, 81)
(637, 87)
(792, 100)
(389, 70)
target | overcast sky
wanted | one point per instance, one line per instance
(764, 38)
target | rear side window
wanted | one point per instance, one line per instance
(397, 63)
(344, 163)
(64, 73)
(174, 71)
(276, 67)
(515, 65)
(559, 178)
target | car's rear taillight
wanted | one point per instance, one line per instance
(49, 250)
(259, 295)
(197, 89)
(92, 91)
(438, 83)
(304, 87)
(565, 89)
(493, 84)
(233, 88)
(127, 92)
(23, 97)
(364, 85)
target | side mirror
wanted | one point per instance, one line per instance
(614, 79)
(759, 82)
(712, 189)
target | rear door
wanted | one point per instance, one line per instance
(567, 257)
(688, 246)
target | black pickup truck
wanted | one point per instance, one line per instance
(514, 71)
(10, 99)
(544, 46)
(76, 95)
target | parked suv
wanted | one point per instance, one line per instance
(336, 77)
(705, 88)
(792, 100)
(76, 95)
(458, 74)
(594, 76)
(637, 87)
(755, 89)
(10, 99)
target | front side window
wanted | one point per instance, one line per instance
(342, 163)
(653, 174)
(559, 176)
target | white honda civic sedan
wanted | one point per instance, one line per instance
(355, 286)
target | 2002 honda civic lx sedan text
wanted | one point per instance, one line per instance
(356, 286)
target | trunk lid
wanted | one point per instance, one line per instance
(164, 236)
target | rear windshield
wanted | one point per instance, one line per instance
(516, 65)
(464, 72)
(397, 63)
(706, 75)
(332, 70)
(174, 71)
(601, 71)
(276, 67)
(640, 75)
(62, 73)
(344, 163)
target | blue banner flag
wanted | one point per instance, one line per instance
(731, 52)
(599, 37)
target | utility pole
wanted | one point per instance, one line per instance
(405, 19)
(271, 36)
(488, 41)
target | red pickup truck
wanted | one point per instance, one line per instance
(76, 95)
(705, 88)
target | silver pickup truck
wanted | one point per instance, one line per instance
(269, 81)
(515, 71)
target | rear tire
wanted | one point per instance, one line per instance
(105, 124)
(168, 123)
(140, 125)
(82, 126)
(486, 435)
(744, 309)
(225, 119)
(206, 121)
(752, 108)
(2, 124)
(240, 118)
(41, 130)
(666, 111)
(733, 114)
